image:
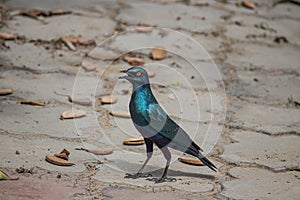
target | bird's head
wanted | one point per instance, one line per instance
(136, 76)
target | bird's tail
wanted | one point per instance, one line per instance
(192, 150)
(207, 162)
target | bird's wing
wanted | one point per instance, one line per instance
(157, 117)
(178, 137)
(169, 129)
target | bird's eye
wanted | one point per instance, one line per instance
(138, 74)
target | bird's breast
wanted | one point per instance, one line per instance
(138, 109)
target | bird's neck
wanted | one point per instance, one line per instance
(142, 97)
(143, 92)
(141, 100)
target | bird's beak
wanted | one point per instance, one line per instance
(123, 77)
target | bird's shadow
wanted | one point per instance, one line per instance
(129, 167)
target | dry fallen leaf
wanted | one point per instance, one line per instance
(35, 13)
(8, 36)
(85, 42)
(60, 12)
(134, 141)
(103, 56)
(248, 4)
(122, 114)
(109, 99)
(58, 161)
(158, 53)
(6, 91)
(83, 102)
(190, 161)
(45, 13)
(134, 61)
(98, 151)
(71, 41)
(68, 43)
(70, 114)
(101, 151)
(64, 154)
(76, 40)
(4, 176)
(144, 29)
(88, 66)
(33, 103)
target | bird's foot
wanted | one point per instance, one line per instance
(137, 175)
(162, 179)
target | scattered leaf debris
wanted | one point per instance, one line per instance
(98, 151)
(71, 114)
(133, 60)
(32, 103)
(34, 13)
(158, 53)
(60, 12)
(68, 42)
(248, 4)
(190, 161)
(134, 141)
(71, 42)
(143, 28)
(8, 36)
(60, 159)
(108, 56)
(109, 99)
(5, 91)
(4, 176)
(83, 102)
(64, 154)
(123, 114)
(80, 41)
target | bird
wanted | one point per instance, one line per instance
(156, 127)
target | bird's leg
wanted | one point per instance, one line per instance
(139, 174)
(164, 177)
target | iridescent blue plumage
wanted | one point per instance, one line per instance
(140, 104)
(155, 125)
